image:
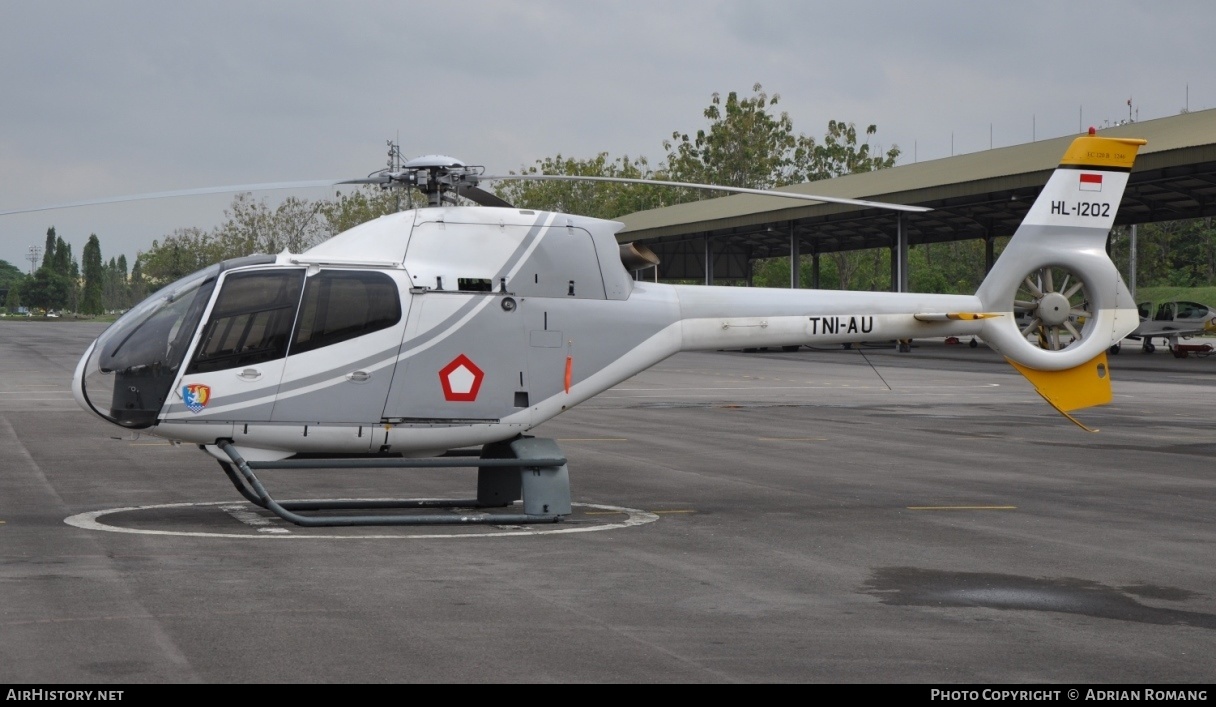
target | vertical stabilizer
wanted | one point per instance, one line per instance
(1057, 274)
(1055, 269)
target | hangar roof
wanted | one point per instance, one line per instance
(974, 195)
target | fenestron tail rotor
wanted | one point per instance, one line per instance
(1053, 307)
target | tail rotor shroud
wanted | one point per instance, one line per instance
(1054, 308)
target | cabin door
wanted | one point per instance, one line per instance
(462, 360)
(343, 349)
(236, 368)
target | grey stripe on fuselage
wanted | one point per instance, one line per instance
(399, 352)
(340, 371)
(443, 328)
(517, 257)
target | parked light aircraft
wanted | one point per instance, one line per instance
(452, 330)
(1171, 321)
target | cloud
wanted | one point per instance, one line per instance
(131, 97)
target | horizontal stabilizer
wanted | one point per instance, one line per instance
(1071, 389)
(954, 316)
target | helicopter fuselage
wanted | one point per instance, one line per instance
(438, 328)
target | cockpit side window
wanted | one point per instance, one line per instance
(251, 320)
(341, 305)
(1191, 310)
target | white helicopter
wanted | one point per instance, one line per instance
(450, 331)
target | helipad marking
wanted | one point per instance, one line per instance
(708, 391)
(90, 521)
(962, 508)
(658, 513)
(248, 517)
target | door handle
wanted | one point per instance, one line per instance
(249, 374)
(358, 377)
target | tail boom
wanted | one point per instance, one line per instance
(739, 317)
(1066, 230)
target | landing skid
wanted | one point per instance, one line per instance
(527, 468)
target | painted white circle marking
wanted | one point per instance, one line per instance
(91, 521)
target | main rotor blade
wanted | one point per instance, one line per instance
(480, 196)
(269, 186)
(711, 187)
(377, 179)
(474, 194)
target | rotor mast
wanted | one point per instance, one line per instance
(394, 166)
(443, 179)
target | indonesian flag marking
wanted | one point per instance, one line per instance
(1090, 182)
(461, 379)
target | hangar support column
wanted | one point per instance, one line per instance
(899, 256)
(1131, 263)
(795, 260)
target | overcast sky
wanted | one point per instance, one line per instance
(110, 98)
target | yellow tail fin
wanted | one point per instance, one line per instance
(1074, 388)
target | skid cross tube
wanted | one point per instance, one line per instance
(542, 479)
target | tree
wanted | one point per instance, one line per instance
(94, 278)
(45, 290)
(596, 199)
(744, 146)
(346, 211)
(238, 236)
(48, 251)
(12, 301)
(74, 281)
(61, 263)
(252, 227)
(10, 275)
(11, 279)
(840, 153)
(1171, 253)
(747, 145)
(115, 289)
(177, 255)
(955, 267)
(138, 286)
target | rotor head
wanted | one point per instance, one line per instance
(440, 177)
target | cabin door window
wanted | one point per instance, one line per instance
(240, 355)
(343, 349)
